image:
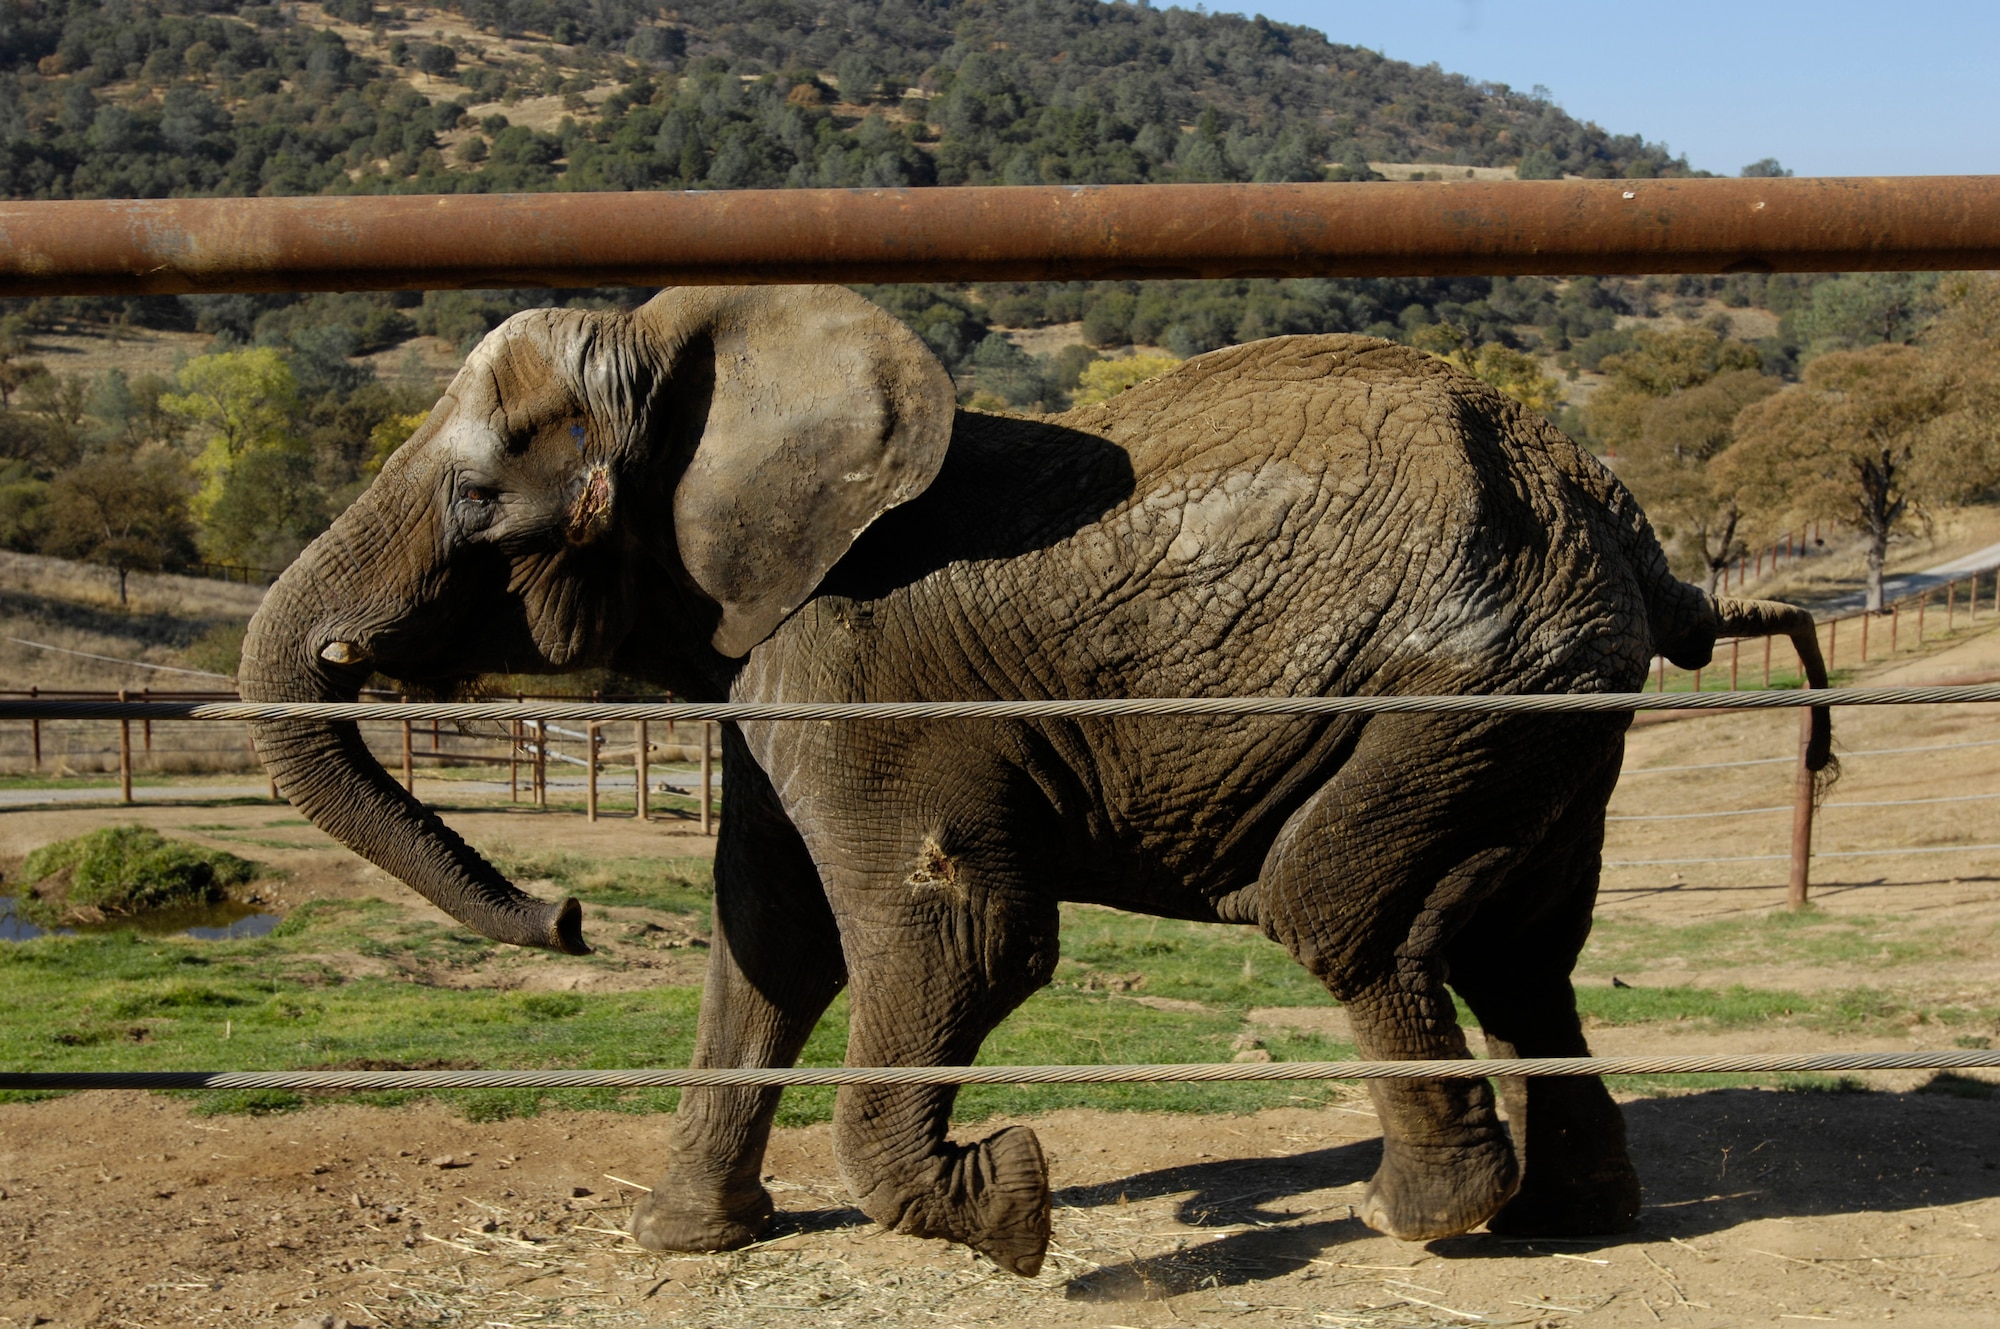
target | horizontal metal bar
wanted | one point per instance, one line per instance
(1030, 233)
(1083, 708)
(1752, 1064)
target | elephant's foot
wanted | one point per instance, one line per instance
(1577, 1179)
(677, 1218)
(1422, 1192)
(993, 1196)
(1573, 1195)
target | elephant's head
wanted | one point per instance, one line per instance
(702, 461)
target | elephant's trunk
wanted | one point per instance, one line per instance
(329, 774)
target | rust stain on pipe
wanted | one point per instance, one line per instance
(1550, 227)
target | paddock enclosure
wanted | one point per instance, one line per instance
(1028, 233)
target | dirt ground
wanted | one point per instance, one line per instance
(1762, 1206)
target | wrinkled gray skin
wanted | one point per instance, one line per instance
(768, 495)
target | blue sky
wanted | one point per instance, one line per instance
(1837, 87)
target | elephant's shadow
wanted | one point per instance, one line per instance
(1709, 1162)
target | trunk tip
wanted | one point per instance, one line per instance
(565, 930)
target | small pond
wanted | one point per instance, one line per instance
(228, 921)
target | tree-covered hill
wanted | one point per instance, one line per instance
(116, 98)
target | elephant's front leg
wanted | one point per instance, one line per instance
(774, 967)
(941, 947)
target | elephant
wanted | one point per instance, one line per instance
(771, 494)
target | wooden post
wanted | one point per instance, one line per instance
(1802, 816)
(1788, 546)
(1972, 598)
(513, 761)
(1735, 650)
(639, 761)
(541, 765)
(590, 771)
(1760, 560)
(1895, 626)
(409, 762)
(707, 774)
(1922, 600)
(35, 729)
(1663, 675)
(1865, 616)
(124, 755)
(1697, 678)
(146, 726)
(1950, 605)
(1832, 640)
(1767, 662)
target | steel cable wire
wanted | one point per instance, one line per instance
(1197, 1072)
(1050, 709)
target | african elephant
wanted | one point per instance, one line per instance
(769, 494)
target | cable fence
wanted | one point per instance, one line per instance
(1155, 1073)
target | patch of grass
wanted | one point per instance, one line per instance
(125, 870)
(1802, 937)
(1223, 965)
(675, 885)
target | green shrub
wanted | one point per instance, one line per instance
(123, 870)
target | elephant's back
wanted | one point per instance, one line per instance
(1352, 514)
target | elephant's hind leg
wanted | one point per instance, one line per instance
(774, 967)
(1513, 969)
(1367, 886)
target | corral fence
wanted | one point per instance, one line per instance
(128, 742)
(1010, 234)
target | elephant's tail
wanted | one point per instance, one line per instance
(1699, 619)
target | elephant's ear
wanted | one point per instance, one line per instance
(822, 413)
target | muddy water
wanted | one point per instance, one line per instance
(227, 921)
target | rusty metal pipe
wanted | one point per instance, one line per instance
(1431, 228)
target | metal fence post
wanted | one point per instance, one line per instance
(35, 729)
(1767, 663)
(513, 761)
(124, 754)
(1735, 651)
(1802, 816)
(590, 771)
(409, 761)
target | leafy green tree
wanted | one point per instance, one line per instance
(1856, 443)
(269, 508)
(1102, 380)
(125, 510)
(1865, 309)
(1668, 467)
(233, 403)
(1659, 364)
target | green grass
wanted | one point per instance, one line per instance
(122, 870)
(676, 885)
(118, 1001)
(1807, 936)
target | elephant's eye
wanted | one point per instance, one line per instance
(471, 493)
